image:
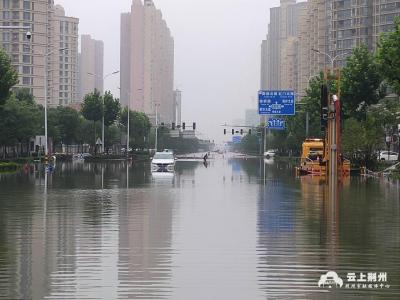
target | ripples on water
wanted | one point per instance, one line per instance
(235, 230)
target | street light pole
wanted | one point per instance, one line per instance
(156, 142)
(46, 57)
(332, 59)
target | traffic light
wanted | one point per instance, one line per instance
(162, 124)
(249, 131)
(324, 106)
(224, 131)
(183, 125)
(233, 131)
(173, 126)
(241, 131)
(194, 126)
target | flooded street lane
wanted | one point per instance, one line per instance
(237, 229)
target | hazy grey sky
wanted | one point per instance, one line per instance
(217, 51)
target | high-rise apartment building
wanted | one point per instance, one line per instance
(281, 51)
(333, 27)
(356, 23)
(29, 57)
(177, 118)
(64, 62)
(147, 61)
(91, 66)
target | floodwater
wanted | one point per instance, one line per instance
(236, 229)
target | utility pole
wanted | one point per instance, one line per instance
(156, 142)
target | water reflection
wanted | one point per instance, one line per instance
(238, 229)
(305, 232)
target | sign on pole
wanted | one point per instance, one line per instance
(276, 124)
(278, 103)
(237, 139)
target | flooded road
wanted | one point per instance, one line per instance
(236, 229)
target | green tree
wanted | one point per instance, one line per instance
(139, 127)
(19, 121)
(112, 109)
(250, 144)
(361, 83)
(8, 76)
(63, 125)
(92, 110)
(388, 57)
(24, 94)
(92, 107)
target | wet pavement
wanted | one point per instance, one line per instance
(235, 229)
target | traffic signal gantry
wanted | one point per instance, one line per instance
(240, 131)
(183, 126)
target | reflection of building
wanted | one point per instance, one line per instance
(91, 66)
(145, 232)
(147, 60)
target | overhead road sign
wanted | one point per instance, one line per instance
(276, 124)
(278, 103)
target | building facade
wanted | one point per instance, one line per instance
(281, 51)
(289, 59)
(91, 66)
(64, 62)
(147, 61)
(29, 57)
(177, 118)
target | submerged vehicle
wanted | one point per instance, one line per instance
(163, 162)
(313, 160)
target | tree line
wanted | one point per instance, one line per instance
(369, 88)
(21, 118)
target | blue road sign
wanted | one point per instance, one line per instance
(237, 139)
(276, 124)
(279, 103)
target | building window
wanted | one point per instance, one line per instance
(6, 4)
(26, 59)
(6, 15)
(15, 48)
(6, 47)
(26, 81)
(15, 37)
(26, 70)
(27, 5)
(15, 4)
(15, 58)
(6, 36)
(27, 16)
(26, 48)
(15, 15)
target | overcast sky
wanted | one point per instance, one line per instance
(217, 52)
